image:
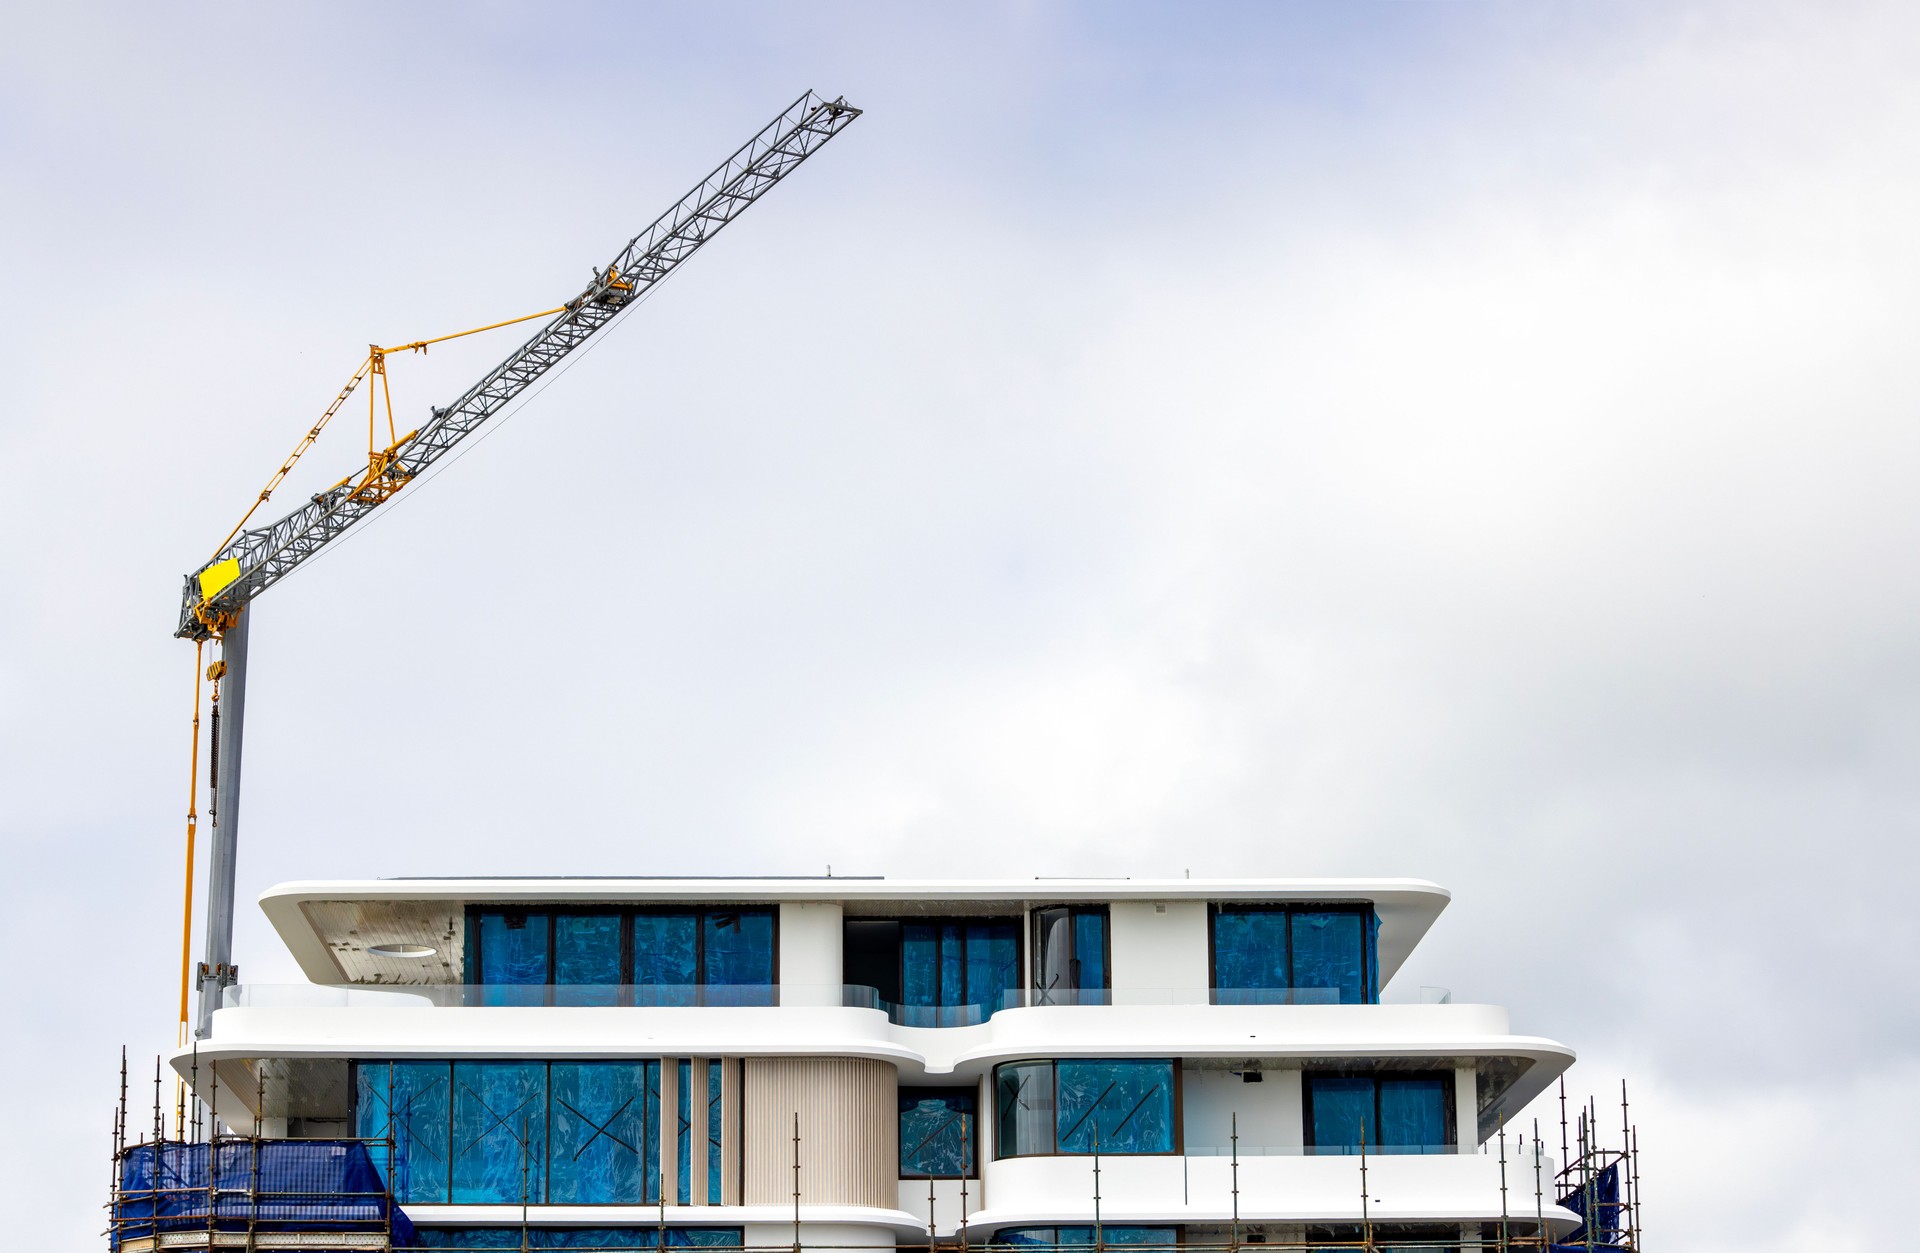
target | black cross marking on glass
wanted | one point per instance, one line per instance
(405, 1117)
(599, 1129)
(1094, 1108)
(499, 1120)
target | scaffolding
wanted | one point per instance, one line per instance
(205, 1188)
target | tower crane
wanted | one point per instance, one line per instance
(215, 605)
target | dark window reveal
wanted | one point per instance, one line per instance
(1115, 1106)
(1070, 955)
(1295, 954)
(1394, 1113)
(950, 972)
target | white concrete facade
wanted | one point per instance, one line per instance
(1242, 1070)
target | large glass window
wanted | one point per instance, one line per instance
(936, 1133)
(605, 1119)
(489, 1132)
(413, 1102)
(1295, 954)
(1393, 1113)
(462, 1239)
(1070, 955)
(509, 955)
(936, 972)
(737, 957)
(707, 956)
(587, 958)
(1074, 1237)
(499, 1132)
(1113, 1106)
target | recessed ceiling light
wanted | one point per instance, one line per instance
(400, 950)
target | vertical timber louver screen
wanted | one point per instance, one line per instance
(849, 1131)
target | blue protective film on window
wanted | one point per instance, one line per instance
(715, 1072)
(1115, 1106)
(1328, 956)
(666, 968)
(600, 1133)
(992, 964)
(919, 964)
(513, 958)
(1023, 1102)
(936, 1134)
(1250, 956)
(1413, 1112)
(1165, 1237)
(499, 1132)
(586, 959)
(462, 1238)
(1341, 1108)
(739, 957)
(1090, 954)
(420, 1104)
(1131, 1236)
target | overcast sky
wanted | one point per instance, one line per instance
(1468, 441)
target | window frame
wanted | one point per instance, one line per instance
(1450, 1116)
(698, 911)
(893, 1000)
(1177, 1118)
(1036, 950)
(970, 1129)
(1369, 943)
(652, 1122)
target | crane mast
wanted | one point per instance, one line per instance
(215, 599)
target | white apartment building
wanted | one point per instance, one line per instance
(873, 1063)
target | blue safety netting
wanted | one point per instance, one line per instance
(1603, 1216)
(448, 1239)
(268, 1185)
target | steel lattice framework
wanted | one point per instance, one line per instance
(265, 555)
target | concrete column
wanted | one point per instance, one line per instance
(1466, 1107)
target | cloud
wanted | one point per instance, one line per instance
(1467, 443)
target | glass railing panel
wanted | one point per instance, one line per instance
(754, 995)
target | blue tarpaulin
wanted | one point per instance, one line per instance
(1602, 1214)
(272, 1185)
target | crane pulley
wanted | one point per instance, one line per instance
(215, 599)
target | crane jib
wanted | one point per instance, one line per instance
(254, 560)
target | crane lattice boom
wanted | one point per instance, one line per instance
(254, 560)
